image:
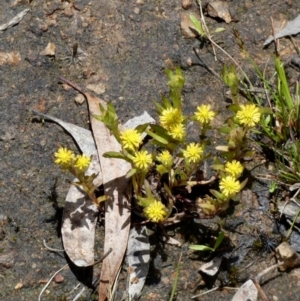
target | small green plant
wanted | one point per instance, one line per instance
(77, 166)
(279, 126)
(206, 248)
(174, 161)
(273, 187)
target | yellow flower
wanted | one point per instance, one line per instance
(142, 160)
(156, 211)
(248, 115)
(82, 162)
(64, 157)
(165, 158)
(204, 114)
(193, 152)
(229, 186)
(234, 168)
(177, 131)
(170, 117)
(131, 139)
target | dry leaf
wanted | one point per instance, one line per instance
(291, 28)
(117, 209)
(212, 267)
(138, 258)
(247, 291)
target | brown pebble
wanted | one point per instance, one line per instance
(59, 278)
(8, 259)
(186, 4)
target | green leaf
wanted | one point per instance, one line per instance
(264, 110)
(218, 167)
(200, 248)
(130, 173)
(168, 190)
(217, 194)
(219, 29)
(166, 103)
(243, 184)
(219, 240)
(142, 127)
(225, 129)
(159, 108)
(198, 25)
(161, 169)
(116, 155)
(156, 137)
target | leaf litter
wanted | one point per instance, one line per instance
(80, 214)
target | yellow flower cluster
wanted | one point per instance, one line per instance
(204, 114)
(142, 160)
(170, 117)
(65, 158)
(248, 115)
(156, 212)
(82, 162)
(131, 139)
(172, 120)
(234, 168)
(165, 158)
(193, 153)
(229, 185)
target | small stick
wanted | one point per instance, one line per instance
(47, 284)
(79, 294)
(66, 81)
(257, 279)
(51, 249)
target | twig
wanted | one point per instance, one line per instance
(207, 292)
(257, 279)
(47, 284)
(66, 81)
(79, 294)
(51, 249)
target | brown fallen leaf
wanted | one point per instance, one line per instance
(117, 211)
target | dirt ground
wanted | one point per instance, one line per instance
(123, 48)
